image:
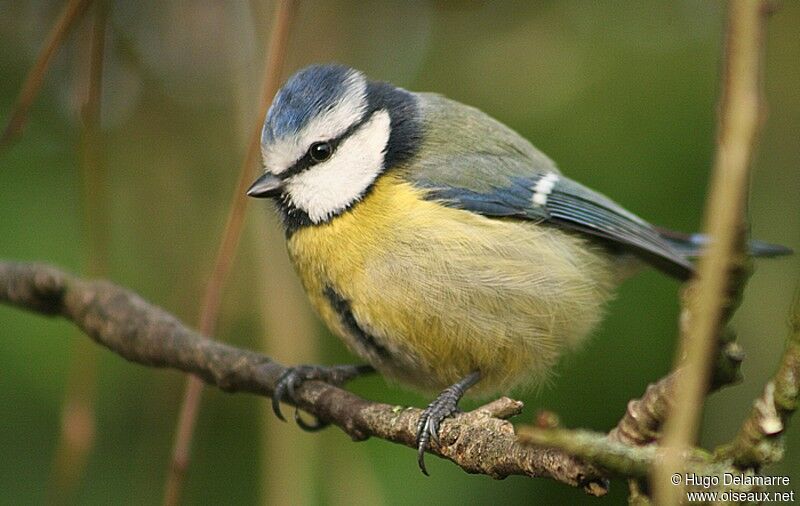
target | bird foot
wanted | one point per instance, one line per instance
(290, 380)
(437, 411)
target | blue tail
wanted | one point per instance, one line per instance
(691, 245)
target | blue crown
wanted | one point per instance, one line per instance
(306, 95)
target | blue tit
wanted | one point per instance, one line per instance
(442, 247)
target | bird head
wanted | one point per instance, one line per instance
(329, 134)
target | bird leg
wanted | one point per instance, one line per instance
(445, 405)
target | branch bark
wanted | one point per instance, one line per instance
(481, 441)
(759, 441)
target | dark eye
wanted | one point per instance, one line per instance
(320, 151)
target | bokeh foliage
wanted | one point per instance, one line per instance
(621, 94)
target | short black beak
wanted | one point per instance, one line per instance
(266, 186)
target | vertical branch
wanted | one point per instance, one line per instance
(232, 233)
(294, 480)
(77, 414)
(33, 82)
(95, 177)
(710, 293)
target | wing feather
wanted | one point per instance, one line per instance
(571, 206)
(469, 161)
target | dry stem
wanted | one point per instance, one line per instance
(209, 311)
(77, 413)
(72, 11)
(725, 224)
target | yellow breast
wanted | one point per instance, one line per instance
(428, 294)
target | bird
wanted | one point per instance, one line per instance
(441, 246)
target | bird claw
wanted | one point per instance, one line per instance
(429, 422)
(444, 406)
(308, 427)
(287, 385)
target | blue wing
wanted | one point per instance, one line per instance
(551, 198)
(470, 161)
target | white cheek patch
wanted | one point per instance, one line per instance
(348, 110)
(330, 187)
(543, 188)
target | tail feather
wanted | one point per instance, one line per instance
(691, 245)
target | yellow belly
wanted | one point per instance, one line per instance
(436, 292)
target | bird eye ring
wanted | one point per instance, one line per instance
(320, 151)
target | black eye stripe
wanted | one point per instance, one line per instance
(306, 161)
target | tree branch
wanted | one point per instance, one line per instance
(759, 441)
(229, 242)
(720, 272)
(78, 415)
(644, 417)
(626, 461)
(481, 441)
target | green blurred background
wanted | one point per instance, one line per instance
(621, 94)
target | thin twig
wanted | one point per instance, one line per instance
(77, 413)
(481, 441)
(72, 11)
(759, 440)
(641, 425)
(231, 235)
(725, 224)
(633, 462)
(643, 420)
(619, 458)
